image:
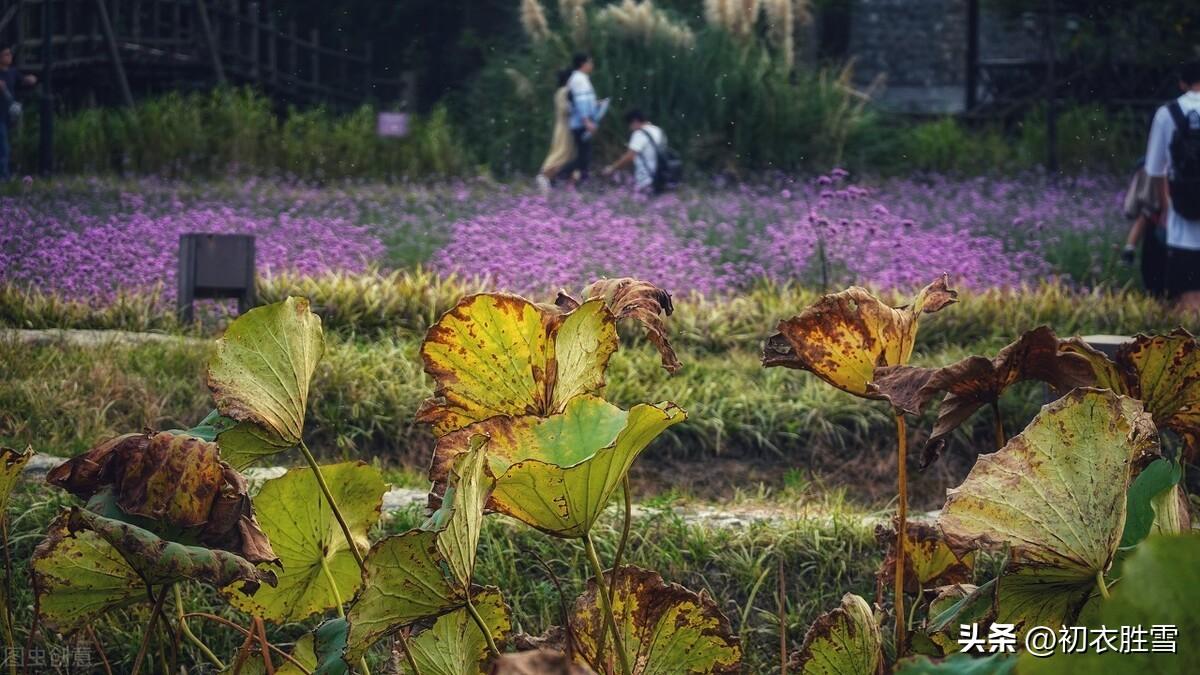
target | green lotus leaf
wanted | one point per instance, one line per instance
(954, 605)
(310, 543)
(959, 664)
(498, 354)
(302, 652)
(454, 645)
(77, 577)
(977, 381)
(213, 425)
(844, 337)
(460, 519)
(1153, 499)
(928, 560)
(328, 646)
(263, 366)
(1163, 371)
(557, 473)
(665, 628)
(405, 581)
(844, 641)
(247, 444)
(1160, 586)
(1055, 498)
(158, 561)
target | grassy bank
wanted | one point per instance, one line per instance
(61, 399)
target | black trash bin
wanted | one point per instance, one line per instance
(215, 266)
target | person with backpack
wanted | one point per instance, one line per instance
(655, 167)
(1173, 164)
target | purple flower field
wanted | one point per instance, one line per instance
(89, 239)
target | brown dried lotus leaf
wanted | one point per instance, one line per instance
(629, 298)
(844, 337)
(977, 381)
(85, 475)
(538, 662)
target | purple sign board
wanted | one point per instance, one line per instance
(392, 124)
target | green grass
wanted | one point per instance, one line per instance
(827, 552)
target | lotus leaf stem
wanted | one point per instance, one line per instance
(901, 525)
(1101, 585)
(316, 468)
(187, 632)
(483, 627)
(998, 423)
(606, 606)
(246, 633)
(141, 655)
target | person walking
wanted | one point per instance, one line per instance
(647, 144)
(562, 144)
(10, 109)
(1173, 164)
(585, 113)
(1141, 206)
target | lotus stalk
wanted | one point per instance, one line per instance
(607, 607)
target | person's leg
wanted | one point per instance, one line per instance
(583, 153)
(4, 149)
(1183, 278)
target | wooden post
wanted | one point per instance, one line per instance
(315, 58)
(114, 54)
(254, 46)
(210, 40)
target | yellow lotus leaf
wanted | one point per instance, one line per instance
(665, 628)
(845, 336)
(497, 354)
(1163, 371)
(843, 641)
(928, 560)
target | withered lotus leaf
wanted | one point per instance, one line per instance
(844, 641)
(665, 628)
(629, 298)
(1055, 497)
(79, 576)
(845, 336)
(977, 381)
(264, 364)
(454, 645)
(538, 662)
(312, 548)
(928, 560)
(558, 473)
(1163, 371)
(159, 561)
(173, 482)
(497, 354)
(11, 465)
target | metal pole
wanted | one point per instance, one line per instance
(1051, 91)
(114, 53)
(46, 117)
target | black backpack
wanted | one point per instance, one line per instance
(1185, 163)
(668, 167)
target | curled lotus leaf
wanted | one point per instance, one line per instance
(928, 560)
(557, 473)
(1160, 586)
(264, 365)
(169, 482)
(404, 582)
(977, 381)
(845, 336)
(1055, 496)
(1152, 504)
(460, 518)
(1163, 371)
(844, 641)
(11, 465)
(498, 354)
(454, 645)
(665, 628)
(629, 298)
(79, 576)
(159, 561)
(311, 546)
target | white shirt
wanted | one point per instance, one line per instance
(1181, 232)
(583, 99)
(646, 161)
